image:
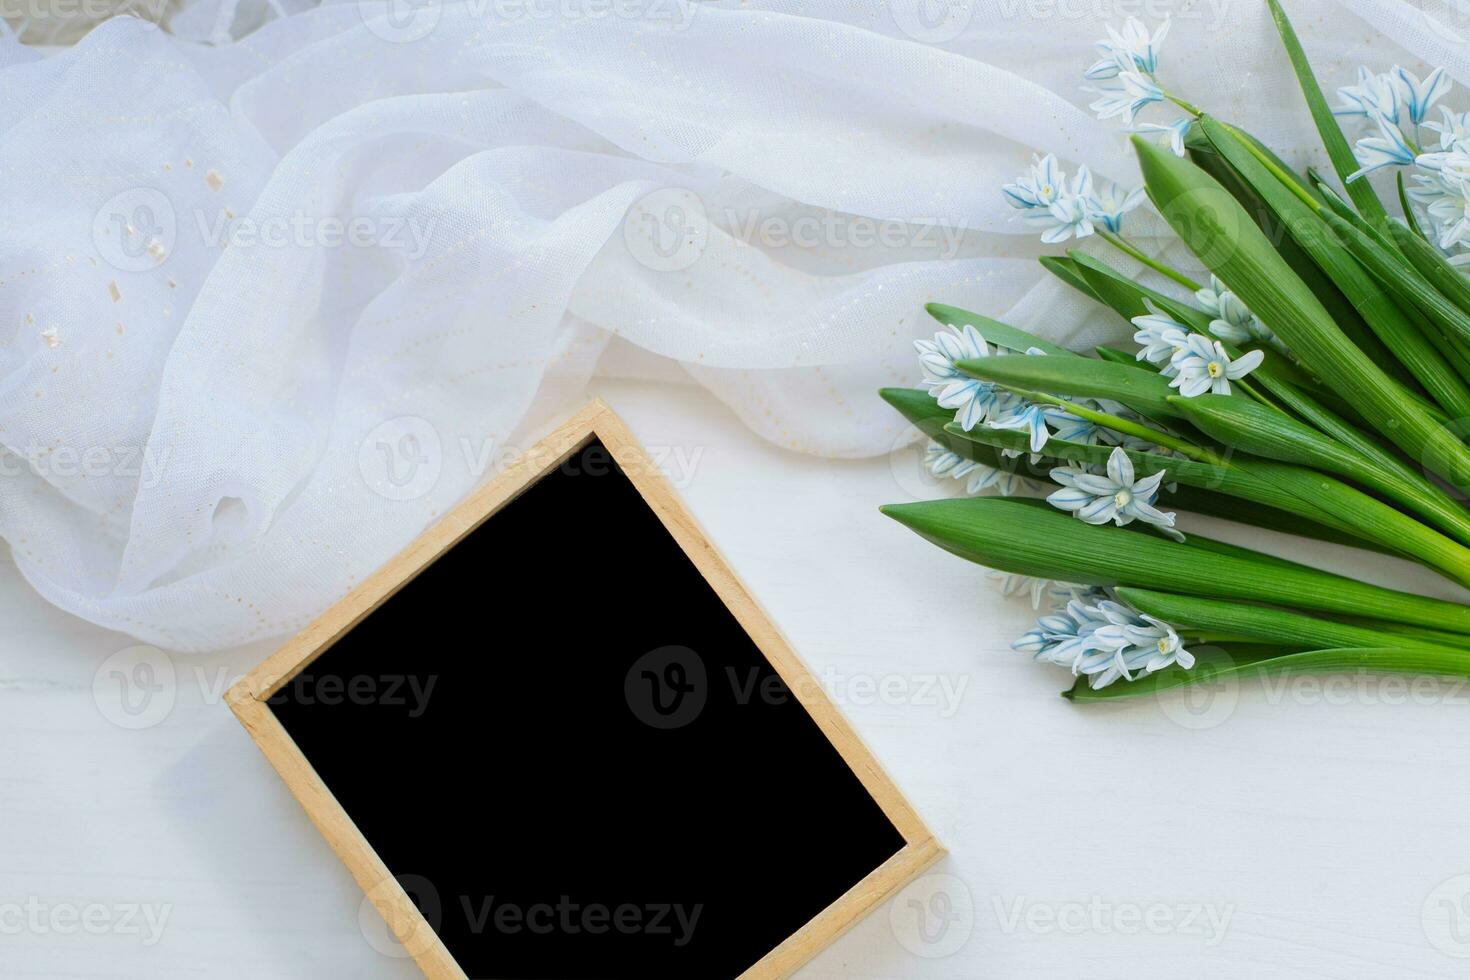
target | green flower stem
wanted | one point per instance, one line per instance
(1250, 664)
(1258, 395)
(1258, 623)
(1188, 107)
(1026, 539)
(1129, 428)
(1269, 162)
(1153, 263)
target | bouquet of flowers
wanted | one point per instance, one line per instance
(1316, 385)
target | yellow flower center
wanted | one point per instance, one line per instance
(1215, 369)
(1122, 497)
(1163, 644)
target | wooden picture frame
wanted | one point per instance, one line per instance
(248, 700)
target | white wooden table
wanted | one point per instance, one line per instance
(1299, 831)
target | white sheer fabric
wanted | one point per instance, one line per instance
(270, 306)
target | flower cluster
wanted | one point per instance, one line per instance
(1103, 639)
(1391, 103)
(1065, 209)
(1125, 83)
(1233, 321)
(1394, 110)
(1194, 363)
(1111, 442)
(1097, 498)
(975, 401)
(977, 476)
(1033, 589)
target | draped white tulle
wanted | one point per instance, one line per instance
(268, 306)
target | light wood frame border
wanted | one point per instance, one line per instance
(595, 421)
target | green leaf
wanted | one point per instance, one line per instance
(1066, 270)
(1418, 633)
(1257, 481)
(1224, 665)
(1257, 622)
(1250, 427)
(1403, 280)
(1220, 166)
(1127, 297)
(1117, 356)
(1432, 265)
(1293, 489)
(1217, 229)
(1408, 344)
(1194, 500)
(1138, 388)
(1333, 201)
(1338, 150)
(1408, 209)
(1025, 540)
(995, 332)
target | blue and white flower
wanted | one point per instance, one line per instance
(1453, 129)
(1128, 93)
(1131, 48)
(1115, 496)
(1374, 95)
(1069, 215)
(1107, 205)
(1040, 187)
(1034, 589)
(1203, 365)
(1063, 638)
(1159, 337)
(947, 463)
(1451, 166)
(1131, 643)
(1416, 97)
(972, 399)
(1447, 204)
(1154, 635)
(1065, 208)
(1171, 134)
(1071, 428)
(977, 476)
(1232, 320)
(1442, 181)
(1387, 149)
(1103, 639)
(1027, 417)
(1061, 208)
